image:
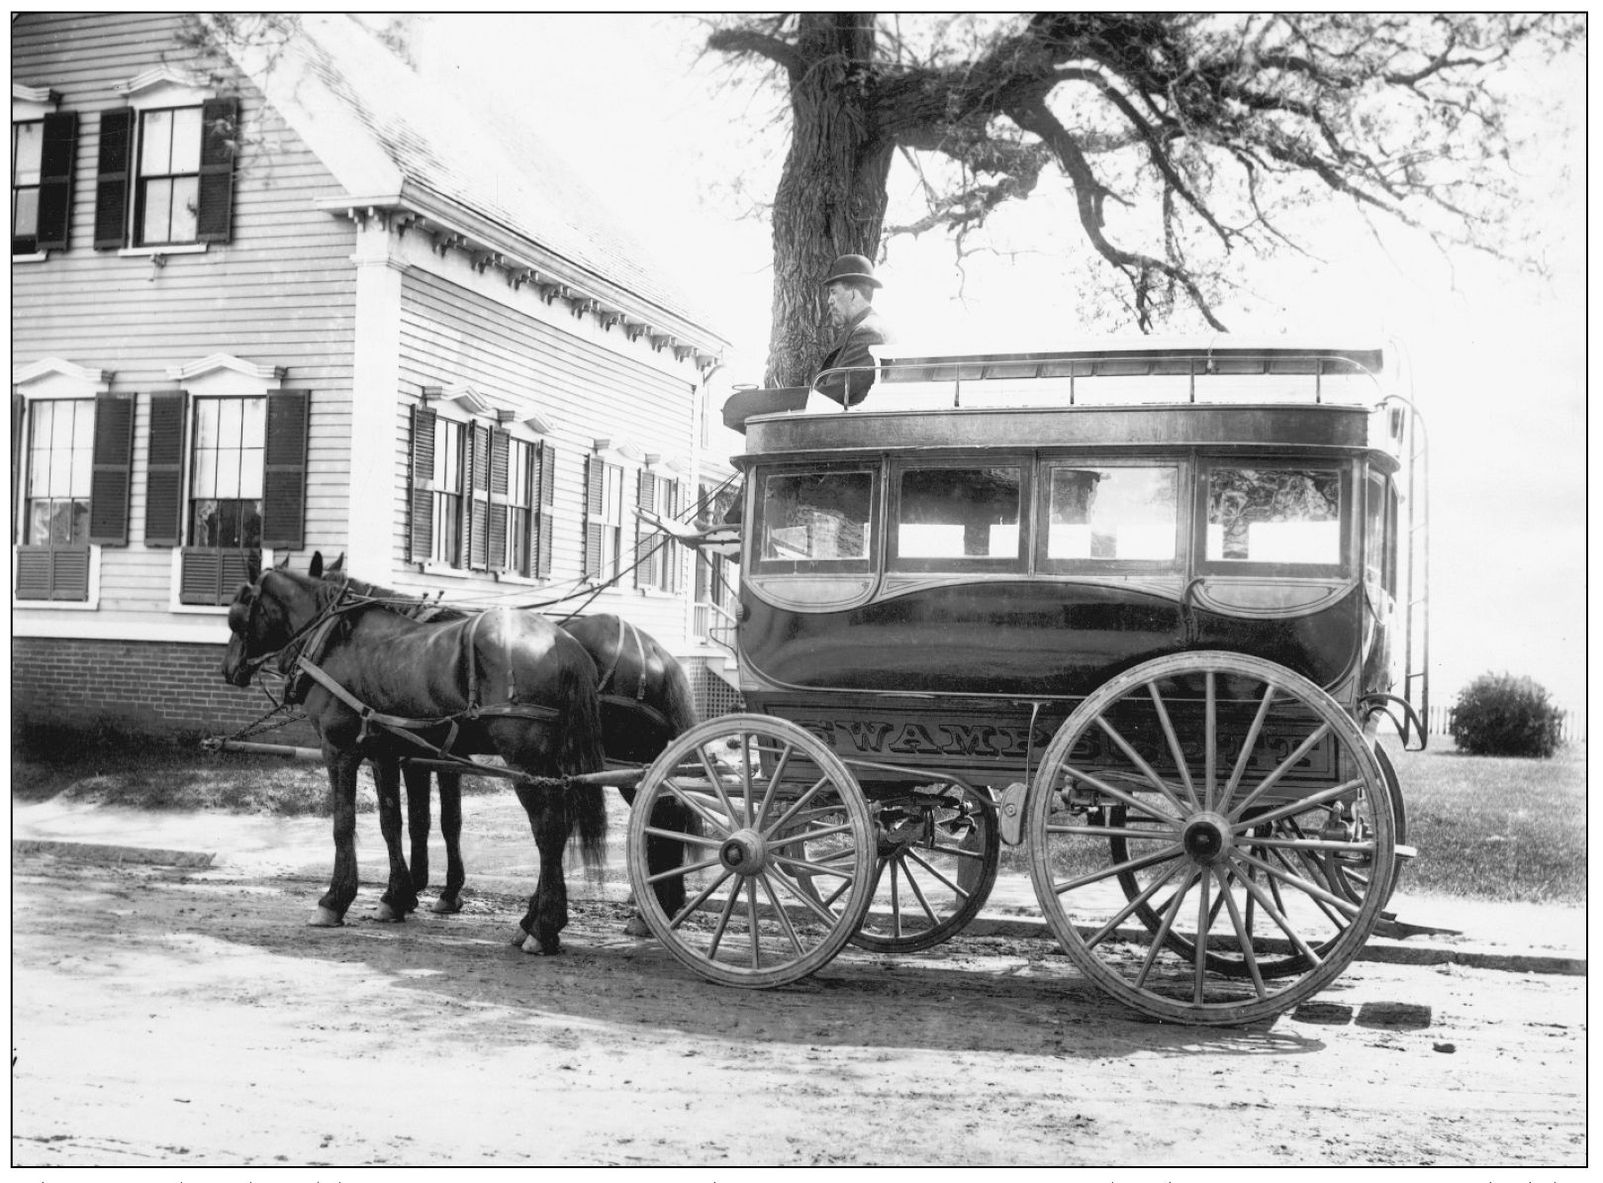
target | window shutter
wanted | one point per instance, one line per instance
(60, 148)
(594, 476)
(477, 500)
(164, 483)
(200, 575)
(69, 573)
(546, 511)
(284, 465)
(111, 178)
(672, 554)
(113, 464)
(421, 543)
(33, 572)
(497, 524)
(219, 148)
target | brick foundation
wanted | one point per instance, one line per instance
(151, 687)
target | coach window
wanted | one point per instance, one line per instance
(815, 519)
(1274, 517)
(1099, 514)
(968, 516)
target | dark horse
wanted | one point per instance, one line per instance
(378, 684)
(646, 701)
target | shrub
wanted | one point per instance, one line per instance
(1501, 715)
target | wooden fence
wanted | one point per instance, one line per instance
(1572, 730)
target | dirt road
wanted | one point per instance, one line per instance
(173, 1018)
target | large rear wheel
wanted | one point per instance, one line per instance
(1182, 828)
(779, 869)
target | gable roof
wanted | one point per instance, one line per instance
(398, 142)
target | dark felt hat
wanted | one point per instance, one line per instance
(852, 267)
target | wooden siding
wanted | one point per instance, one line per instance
(281, 293)
(451, 336)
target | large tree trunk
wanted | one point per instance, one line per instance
(832, 193)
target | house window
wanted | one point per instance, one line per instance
(27, 158)
(603, 520)
(521, 494)
(446, 479)
(60, 448)
(226, 485)
(658, 557)
(167, 202)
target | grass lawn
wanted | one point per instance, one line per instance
(1490, 827)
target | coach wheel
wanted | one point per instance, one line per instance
(1179, 828)
(764, 799)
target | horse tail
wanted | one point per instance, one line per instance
(579, 750)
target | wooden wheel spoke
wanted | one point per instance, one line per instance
(797, 806)
(1247, 746)
(820, 910)
(918, 894)
(1199, 961)
(683, 869)
(1312, 890)
(1146, 769)
(1292, 808)
(1249, 957)
(1340, 922)
(694, 905)
(1164, 928)
(784, 918)
(723, 921)
(1131, 905)
(723, 825)
(1284, 924)
(1174, 745)
(751, 923)
(718, 784)
(682, 836)
(1135, 864)
(1210, 753)
(935, 871)
(773, 783)
(1166, 834)
(812, 869)
(1134, 802)
(1282, 768)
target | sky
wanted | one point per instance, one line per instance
(1498, 356)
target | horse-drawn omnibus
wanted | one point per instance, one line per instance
(1139, 611)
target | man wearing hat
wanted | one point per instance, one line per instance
(849, 288)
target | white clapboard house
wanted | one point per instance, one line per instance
(274, 295)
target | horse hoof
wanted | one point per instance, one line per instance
(533, 945)
(637, 927)
(325, 918)
(446, 907)
(388, 915)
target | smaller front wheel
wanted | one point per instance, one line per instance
(780, 851)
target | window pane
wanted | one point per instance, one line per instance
(253, 420)
(185, 141)
(83, 467)
(959, 513)
(205, 479)
(156, 147)
(39, 449)
(206, 423)
(27, 151)
(816, 515)
(518, 472)
(158, 210)
(1112, 513)
(249, 479)
(229, 417)
(1282, 515)
(24, 212)
(203, 527)
(38, 523)
(185, 208)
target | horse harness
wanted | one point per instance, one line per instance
(302, 659)
(626, 633)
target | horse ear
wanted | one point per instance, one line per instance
(253, 566)
(316, 569)
(337, 567)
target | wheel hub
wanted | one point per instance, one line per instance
(744, 852)
(1206, 838)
